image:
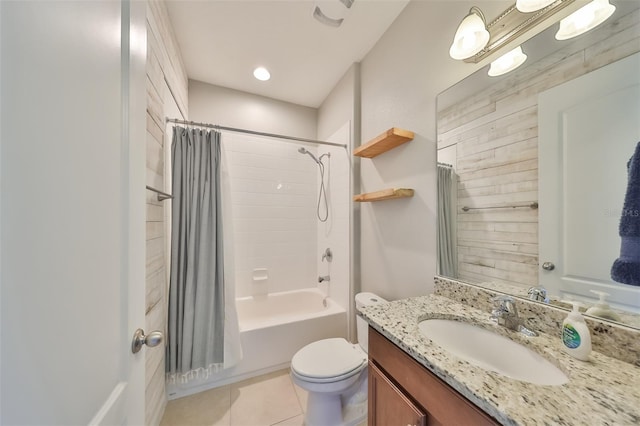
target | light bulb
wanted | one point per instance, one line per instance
(585, 19)
(471, 37)
(507, 62)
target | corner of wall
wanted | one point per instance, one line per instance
(166, 79)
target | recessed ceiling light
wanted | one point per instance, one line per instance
(262, 74)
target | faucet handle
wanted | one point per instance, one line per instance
(327, 255)
(502, 299)
(538, 294)
(504, 304)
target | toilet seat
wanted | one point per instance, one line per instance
(328, 360)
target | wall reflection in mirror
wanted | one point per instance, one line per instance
(532, 170)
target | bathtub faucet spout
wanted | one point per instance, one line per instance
(325, 278)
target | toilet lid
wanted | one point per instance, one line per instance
(328, 358)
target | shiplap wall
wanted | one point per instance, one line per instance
(164, 64)
(496, 137)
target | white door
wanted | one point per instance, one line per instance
(588, 130)
(72, 211)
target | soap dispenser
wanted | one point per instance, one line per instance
(602, 309)
(575, 334)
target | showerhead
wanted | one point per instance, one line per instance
(301, 150)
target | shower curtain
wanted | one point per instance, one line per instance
(447, 264)
(203, 335)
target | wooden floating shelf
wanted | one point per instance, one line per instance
(384, 142)
(385, 194)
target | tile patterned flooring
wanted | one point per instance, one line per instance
(272, 399)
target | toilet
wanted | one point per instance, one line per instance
(334, 373)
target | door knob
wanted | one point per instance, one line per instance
(139, 338)
(548, 266)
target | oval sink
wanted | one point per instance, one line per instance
(492, 351)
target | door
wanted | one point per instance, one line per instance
(72, 211)
(589, 128)
(388, 405)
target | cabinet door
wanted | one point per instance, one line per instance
(388, 406)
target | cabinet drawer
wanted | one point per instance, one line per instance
(442, 402)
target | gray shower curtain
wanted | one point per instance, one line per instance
(196, 292)
(447, 264)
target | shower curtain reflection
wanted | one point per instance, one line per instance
(447, 264)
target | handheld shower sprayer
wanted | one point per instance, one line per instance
(301, 150)
(322, 193)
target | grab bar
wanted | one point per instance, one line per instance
(161, 195)
(533, 206)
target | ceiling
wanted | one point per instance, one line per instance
(223, 41)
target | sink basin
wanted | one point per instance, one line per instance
(492, 351)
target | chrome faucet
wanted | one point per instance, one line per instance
(505, 313)
(325, 278)
(538, 294)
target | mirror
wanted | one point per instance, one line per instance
(529, 194)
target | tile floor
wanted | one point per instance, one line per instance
(272, 399)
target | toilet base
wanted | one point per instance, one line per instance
(347, 408)
(323, 410)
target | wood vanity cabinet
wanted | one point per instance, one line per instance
(403, 392)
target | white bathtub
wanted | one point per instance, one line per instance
(282, 308)
(272, 329)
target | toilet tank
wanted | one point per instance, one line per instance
(362, 300)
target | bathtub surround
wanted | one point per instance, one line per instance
(340, 113)
(335, 232)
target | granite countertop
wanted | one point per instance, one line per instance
(601, 391)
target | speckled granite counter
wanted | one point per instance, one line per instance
(602, 391)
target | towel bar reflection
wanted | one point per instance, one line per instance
(161, 195)
(533, 206)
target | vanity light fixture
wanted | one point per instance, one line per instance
(262, 74)
(526, 6)
(507, 28)
(585, 19)
(471, 37)
(507, 62)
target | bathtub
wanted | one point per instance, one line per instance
(282, 308)
(272, 329)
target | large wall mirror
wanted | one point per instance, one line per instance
(532, 168)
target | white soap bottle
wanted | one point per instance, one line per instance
(576, 338)
(602, 309)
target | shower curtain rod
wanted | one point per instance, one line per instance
(252, 132)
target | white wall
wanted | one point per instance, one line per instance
(233, 108)
(400, 79)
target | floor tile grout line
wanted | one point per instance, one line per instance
(284, 420)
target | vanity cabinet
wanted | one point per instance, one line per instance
(393, 407)
(403, 392)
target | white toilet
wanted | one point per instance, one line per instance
(334, 373)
